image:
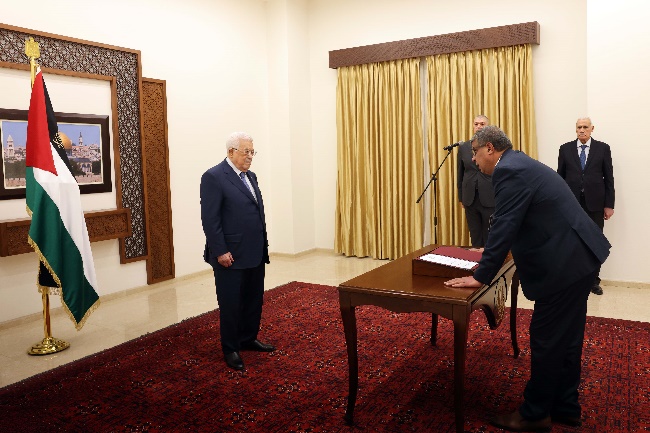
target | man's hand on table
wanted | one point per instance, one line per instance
(463, 282)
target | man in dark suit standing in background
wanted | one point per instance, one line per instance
(232, 213)
(558, 251)
(586, 166)
(475, 190)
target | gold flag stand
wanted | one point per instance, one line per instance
(49, 344)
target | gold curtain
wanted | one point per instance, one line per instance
(380, 162)
(496, 82)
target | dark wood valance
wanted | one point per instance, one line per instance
(493, 37)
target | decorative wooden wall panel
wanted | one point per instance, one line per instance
(68, 54)
(102, 225)
(502, 36)
(160, 264)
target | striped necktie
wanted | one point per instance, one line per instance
(583, 156)
(242, 175)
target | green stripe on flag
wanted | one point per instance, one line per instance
(59, 252)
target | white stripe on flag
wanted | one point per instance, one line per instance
(69, 204)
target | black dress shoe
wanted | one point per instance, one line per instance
(516, 422)
(597, 290)
(234, 361)
(573, 421)
(257, 346)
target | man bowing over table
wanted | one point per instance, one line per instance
(558, 251)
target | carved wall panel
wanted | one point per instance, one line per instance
(160, 264)
(102, 225)
(69, 54)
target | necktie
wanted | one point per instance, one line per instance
(583, 156)
(242, 175)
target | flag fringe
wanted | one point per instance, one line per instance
(59, 289)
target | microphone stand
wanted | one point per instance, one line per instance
(435, 196)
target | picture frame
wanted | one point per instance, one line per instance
(87, 142)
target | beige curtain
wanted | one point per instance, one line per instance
(380, 159)
(496, 82)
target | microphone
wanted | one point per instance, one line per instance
(451, 146)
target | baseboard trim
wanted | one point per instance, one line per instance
(630, 284)
(54, 312)
(302, 253)
(201, 274)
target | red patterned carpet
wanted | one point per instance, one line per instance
(175, 380)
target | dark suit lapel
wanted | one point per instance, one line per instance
(576, 155)
(593, 152)
(467, 157)
(237, 182)
(256, 188)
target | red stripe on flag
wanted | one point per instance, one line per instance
(39, 150)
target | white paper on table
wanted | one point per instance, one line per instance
(449, 261)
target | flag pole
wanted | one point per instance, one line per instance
(49, 344)
(32, 51)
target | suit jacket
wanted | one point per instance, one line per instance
(597, 180)
(232, 220)
(553, 241)
(470, 178)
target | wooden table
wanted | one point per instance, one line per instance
(394, 287)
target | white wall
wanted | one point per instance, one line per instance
(618, 93)
(290, 200)
(262, 67)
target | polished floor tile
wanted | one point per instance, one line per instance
(122, 318)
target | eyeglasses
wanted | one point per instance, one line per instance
(247, 152)
(475, 150)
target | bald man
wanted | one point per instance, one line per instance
(475, 189)
(593, 184)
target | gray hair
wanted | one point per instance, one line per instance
(585, 118)
(233, 140)
(482, 116)
(493, 134)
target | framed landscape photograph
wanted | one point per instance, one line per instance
(85, 138)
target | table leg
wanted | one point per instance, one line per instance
(461, 327)
(434, 329)
(350, 328)
(514, 291)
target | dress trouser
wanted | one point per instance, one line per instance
(597, 217)
(478, 221)
(557, 331)
(240, 293)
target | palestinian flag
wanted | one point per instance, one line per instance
(58, 231)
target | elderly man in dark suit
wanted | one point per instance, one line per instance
(475, 190)
(586, 166)
(232, 213)
(558, 251)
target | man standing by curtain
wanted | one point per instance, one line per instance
(475, 190)
(232, 213)
(558, 251)
(586, 166)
